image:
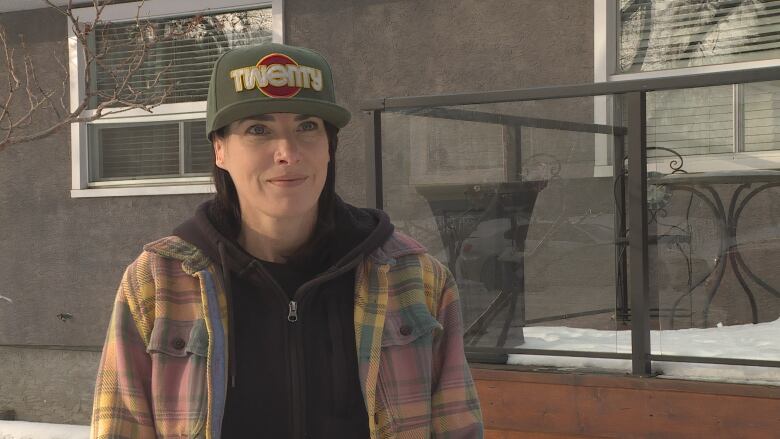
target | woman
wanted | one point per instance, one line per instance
(278, 310)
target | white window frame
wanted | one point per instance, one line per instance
(81, 187)
(604, 67)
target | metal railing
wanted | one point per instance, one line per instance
(635, 185)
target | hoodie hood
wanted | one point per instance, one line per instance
(358, 232)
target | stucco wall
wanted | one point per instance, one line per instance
(412, 48)
(64, 255)
(48, 385)
(61, 255)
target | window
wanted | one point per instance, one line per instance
(714, 128)
(166, 152)
(149, 150)
(663, 34)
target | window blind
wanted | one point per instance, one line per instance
(201, 153)
(762, 116)
(690, 121)
(669, 34)
(186, 46)
(151, 150)
(138, 151)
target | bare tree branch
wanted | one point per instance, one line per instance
(31, 109)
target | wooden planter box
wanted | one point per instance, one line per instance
(541, 405)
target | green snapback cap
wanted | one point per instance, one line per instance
(271, 78)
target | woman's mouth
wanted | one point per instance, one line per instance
(287, 182)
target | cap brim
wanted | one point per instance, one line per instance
(337, 115)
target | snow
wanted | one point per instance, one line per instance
(751, 341)
(39, 430)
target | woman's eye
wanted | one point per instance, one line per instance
(308, 125)
(258, 129)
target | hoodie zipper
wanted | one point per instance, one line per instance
(293, 333)
(294, 347)
(296, 368)
(292, 314)
(293, 340)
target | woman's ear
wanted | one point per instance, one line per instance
(219, 151)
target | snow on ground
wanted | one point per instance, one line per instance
(759, 342)
(40, 430)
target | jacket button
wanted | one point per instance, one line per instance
(406, 330)
(178, 343)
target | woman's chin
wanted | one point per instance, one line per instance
(292, 209)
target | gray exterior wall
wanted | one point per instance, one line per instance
(407, 48)
(64, 255)
(48, 385)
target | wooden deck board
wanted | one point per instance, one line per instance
(518, 404)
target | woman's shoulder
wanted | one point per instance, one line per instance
(409, 259)
(172, 247)
(415, 277)
(402, 246)
(161, 275)
(170, 251)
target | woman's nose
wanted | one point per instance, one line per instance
(287, 151)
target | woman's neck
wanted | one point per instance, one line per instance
(274, 239)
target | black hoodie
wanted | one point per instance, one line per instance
(292, 355)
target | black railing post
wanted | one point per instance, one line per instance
(374, 161)
(638, 276)
(621, 244)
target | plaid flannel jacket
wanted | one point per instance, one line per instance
(163, 369)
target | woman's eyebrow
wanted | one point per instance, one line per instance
(270, 118)
(261, 118)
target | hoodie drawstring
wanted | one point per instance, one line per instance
(231, 320)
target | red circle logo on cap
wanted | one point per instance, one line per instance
(276, 64)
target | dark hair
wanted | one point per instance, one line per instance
(225, 210)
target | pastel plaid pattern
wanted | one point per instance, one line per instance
(163, 369)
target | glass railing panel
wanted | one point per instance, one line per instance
(519, 201)
(714, 249)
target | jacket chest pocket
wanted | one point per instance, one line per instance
(406, 366)
(179, 352)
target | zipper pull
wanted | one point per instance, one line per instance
(292, 316)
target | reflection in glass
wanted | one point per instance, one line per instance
(713, 270)
(515, 199)
(691, 121)
(762, 116)
(505, 195)
(663, 34)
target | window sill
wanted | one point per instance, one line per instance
(132, 191)
(744, 161)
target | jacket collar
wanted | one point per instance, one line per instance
(396, 246)
(194, 260)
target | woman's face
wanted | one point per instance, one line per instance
(278, 162)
